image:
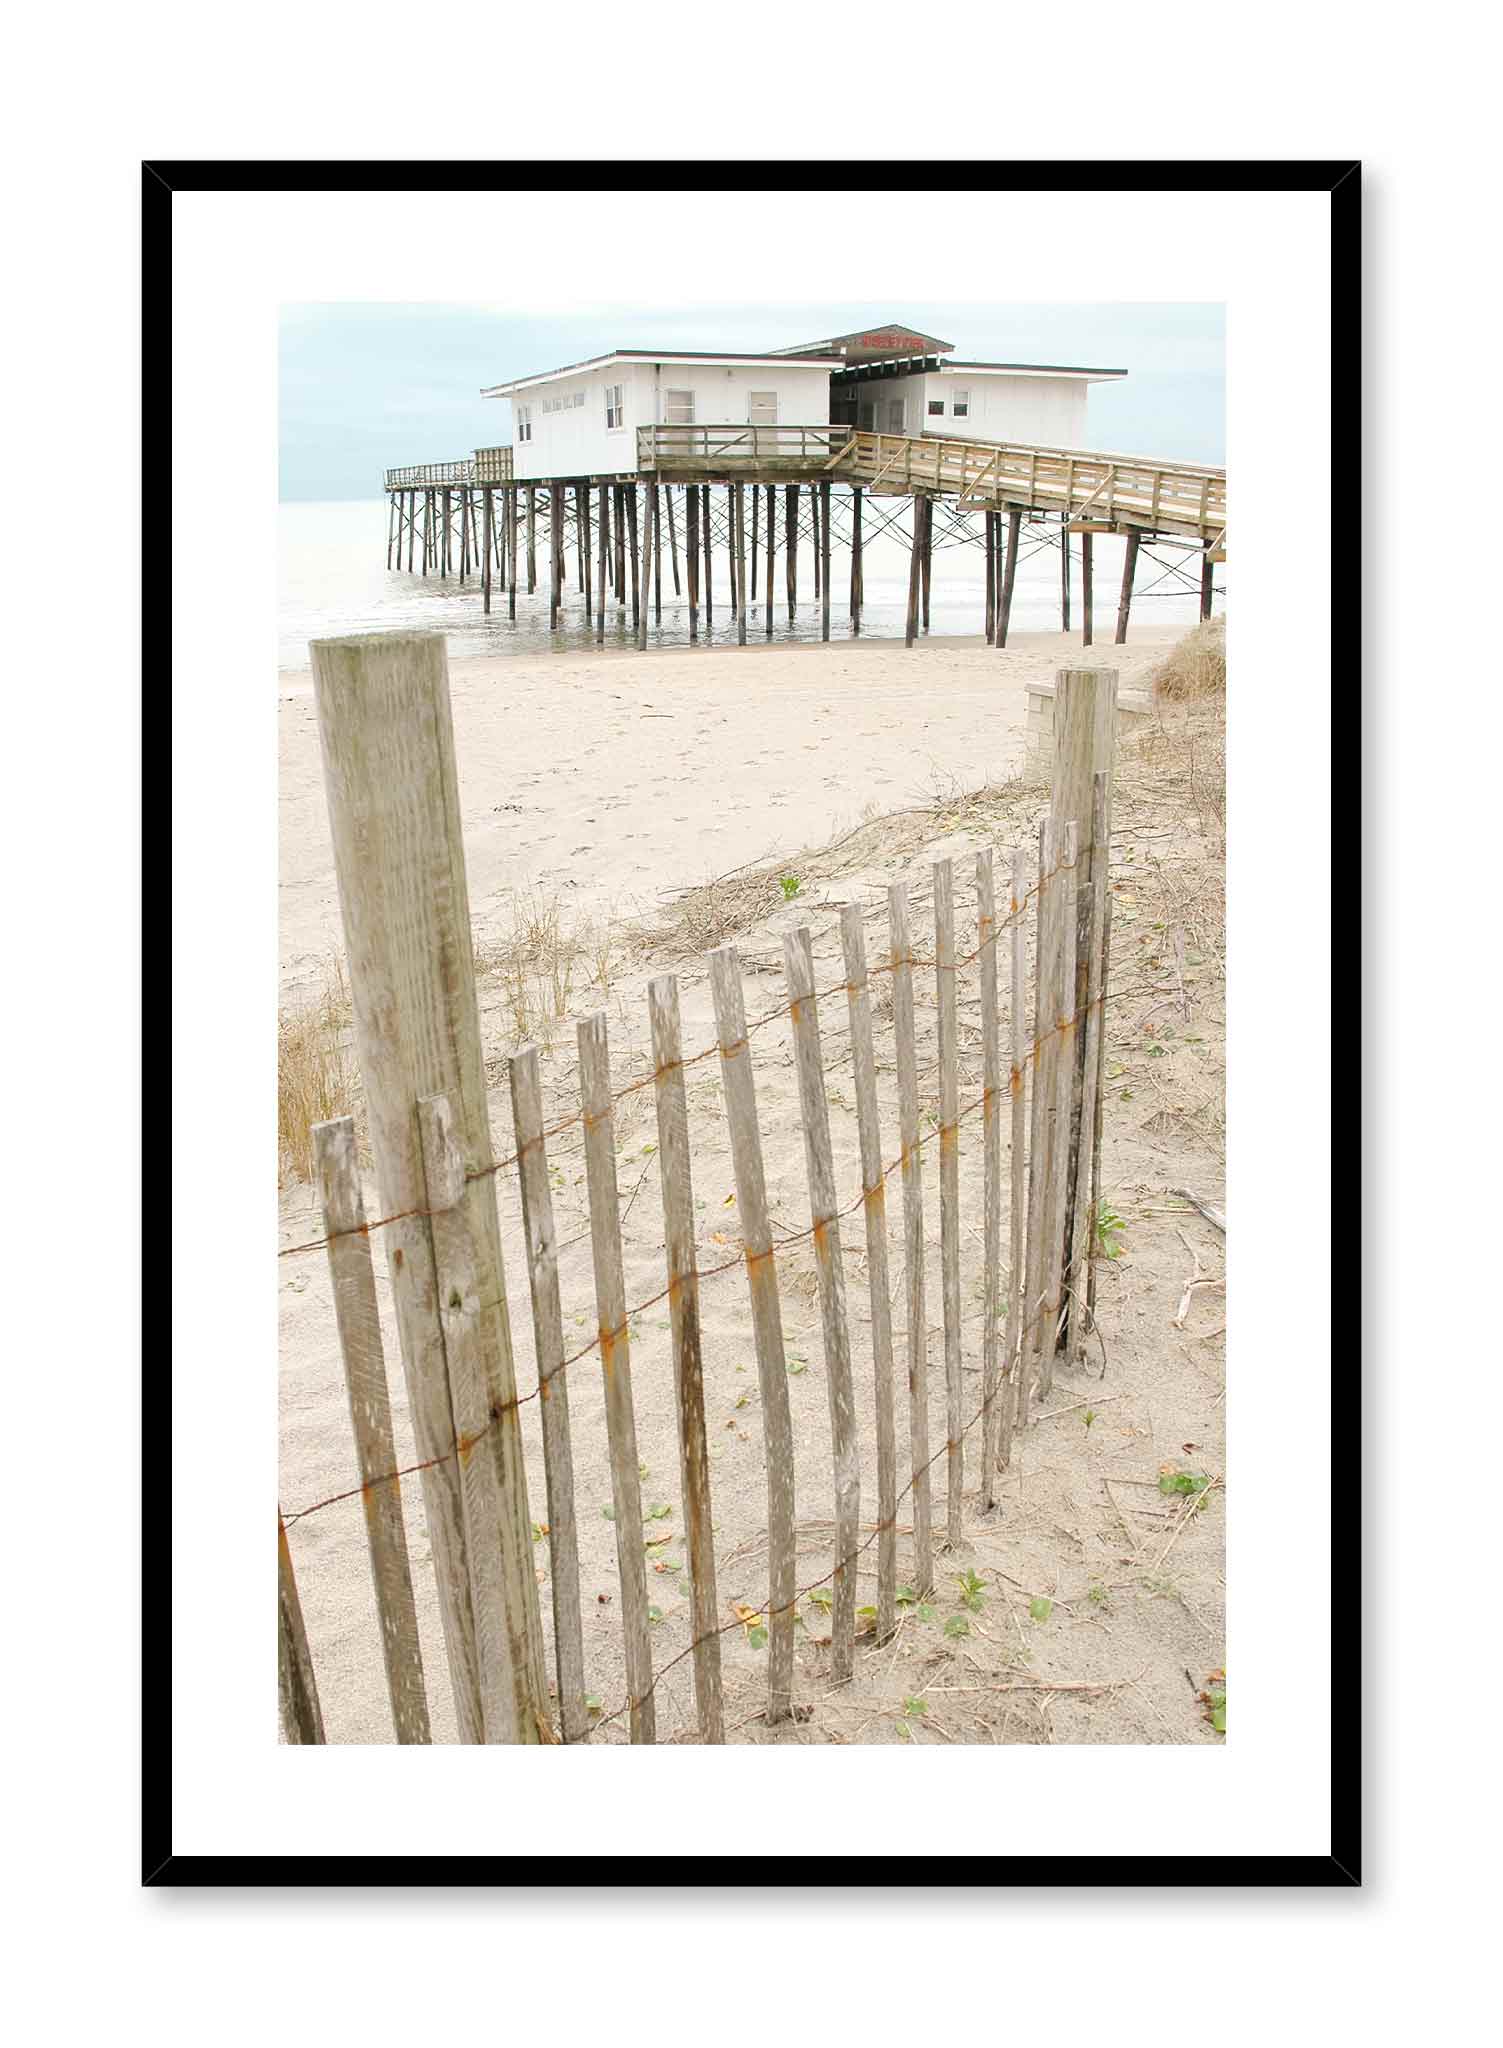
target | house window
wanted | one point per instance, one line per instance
(936, 408)
(524, 422)
(894, 415)
(615, 411)
(678, 408)
(762, 408)
(960, 405)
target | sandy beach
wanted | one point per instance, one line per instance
(608, 785)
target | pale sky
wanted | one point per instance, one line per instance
(365, 386)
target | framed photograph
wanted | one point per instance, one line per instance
(767, 927)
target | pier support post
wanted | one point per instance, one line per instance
(600, 572)
(511, 550)
(427, 528)
(814, 525)
(649, 521)
(444, 513)
(790, 545)
(1085, 587)
(411, 530)
(691, 557)
(915, 574)
(856, 562)
(391, 511)
(756, 547)
(824, 542)
(1129, 570)
(655, 495)
(555, 553)
(532, 539)
(672, 540)
(488, 514)
(387, 739)
(1064, 572)
(738, 529)
(1207, 585)
(927, 556)
(989, 521)
(1009, 572)
(709, 539)
(582, 521)
(631, 549)
(772, 510)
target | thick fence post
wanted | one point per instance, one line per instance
(297, 1690)
(393, 796)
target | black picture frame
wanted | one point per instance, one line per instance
(160, 1866)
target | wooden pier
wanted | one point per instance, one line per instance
(445, 515)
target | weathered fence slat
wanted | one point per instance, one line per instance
(553, 1388)
(1062, 1078)
(767, 1320)
(949, 1191)
(1016, 1088)
(615, 1363)
(499, 1546)
(901, 958)
(874, 1204)
(798, 962)
(688, 1363)
(297, 1689)
(1038, 1060)
(991, 1146)
(1082, 1219)
(359, 1324)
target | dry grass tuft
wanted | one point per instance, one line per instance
(1194, 667)
(317, 1076)
(541, 957)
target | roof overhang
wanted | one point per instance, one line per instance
(717, 359)
(1076, 370)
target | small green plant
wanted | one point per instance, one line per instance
(1110, 1228)
(905, 1596)
(609, 1513)
(1183, 1482)
(972, 1591)
(1097, 1595)
(594, 1704)
(757, 1637)
(915, 1706)
(654, 1616)
(1213, 1698)
(866, 1620)
(1041, 1607)
(822, 1598)
(790, 885)
(957, 1626)
(1090, 1417)
(796, 1365)
(660, 1513)
(924, 1611)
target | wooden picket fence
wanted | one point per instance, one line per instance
(388, 750)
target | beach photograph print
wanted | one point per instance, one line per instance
(750, 1078)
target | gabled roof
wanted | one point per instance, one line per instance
(873, 344)
(653, 355)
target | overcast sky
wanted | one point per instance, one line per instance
(367, 386)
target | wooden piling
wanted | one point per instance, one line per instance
(387, 740)
(772, 504)
(910, 628)
(814, 1113)
(1043, 968)
(1064, 572)
(411, 528)
(709, 540)
(1129, 570)
(488, 513)
(532, 539)
(688, 1364)
(654, 494)
(900, 961)
(391, 521)
(443, 532)
(649, 521)
(1207, 583)
(989, 525)
(511, 550)
(1009, 573)
(927, 556)
(359, 1322)
(600, 578)
(874, 1207)
(756, 550)
(427, 528)
(1063, 1057)
(620, 553)
(814, 527)
(555, 553)
(824, 542)
(1091, 970)
(691, 557)
(464, 536)
(856, 562)
(631, 549)
(1086, 598)
(767, 1320)
(738, 523)
(790, 545)
(672, 540)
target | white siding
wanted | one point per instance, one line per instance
(576, 441)
(1048, 411)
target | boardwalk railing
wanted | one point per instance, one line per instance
(384, 713)
(424, 475)
(708, 450)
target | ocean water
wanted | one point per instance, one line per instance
(332, 579)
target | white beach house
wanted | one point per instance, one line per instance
(581, 420)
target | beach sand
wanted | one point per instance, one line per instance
(612, 783)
